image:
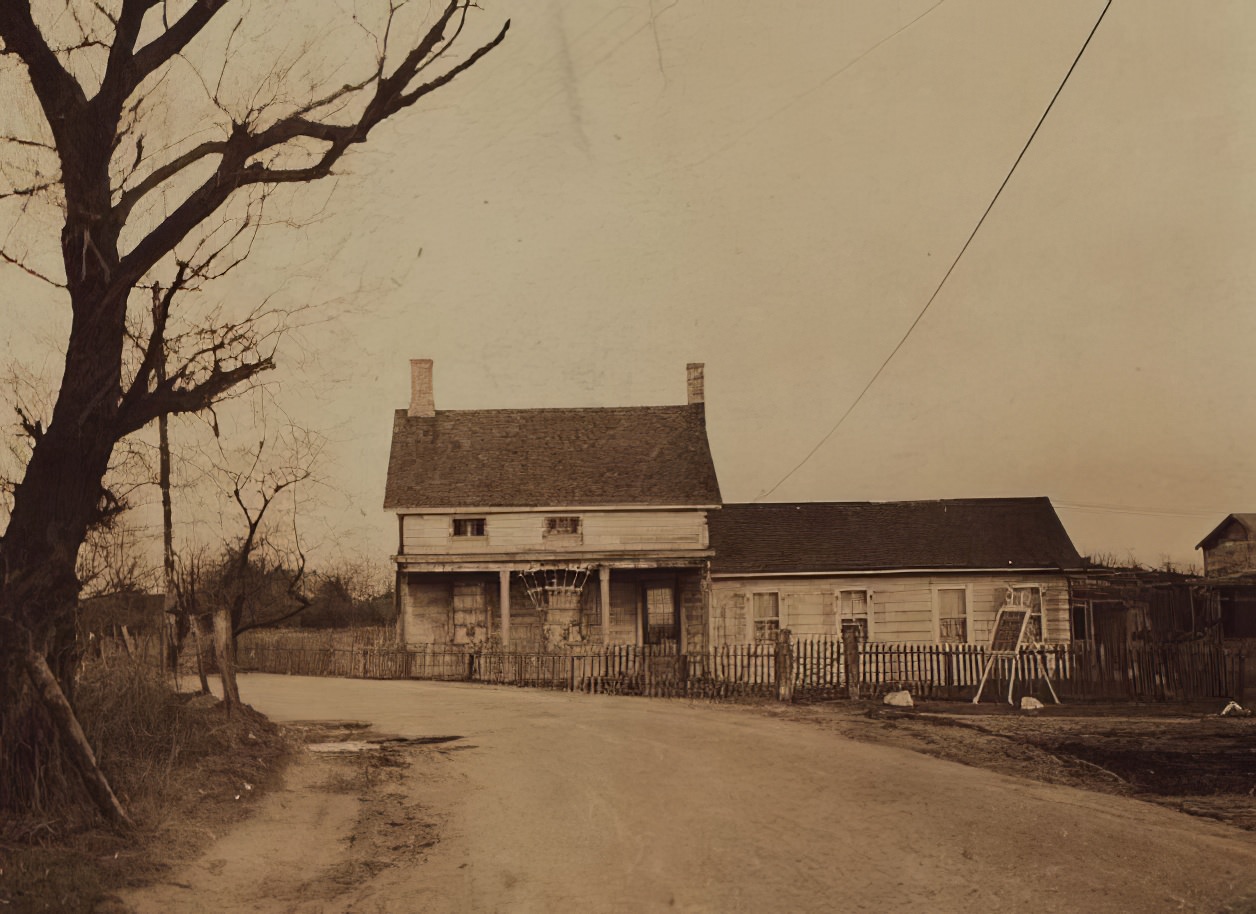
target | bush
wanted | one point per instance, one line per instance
(178, 762)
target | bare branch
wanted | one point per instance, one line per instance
(32, 427)
(171, 398)
(9, 259)
(159, 176)
(237, 169)
(155, 352)
(19, 141)
(30, 190)
(59, 94)
(129, 67)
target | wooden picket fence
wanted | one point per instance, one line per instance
(787, 669)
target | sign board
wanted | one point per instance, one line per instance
(1009, 628)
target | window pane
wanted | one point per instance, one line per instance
(468, 526)
(858, 626)
(562, 526)
(1081, 631)
(953, 615)
(767, 616)
(854, 603)
(1031, 599)
(853, 608)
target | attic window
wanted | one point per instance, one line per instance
(468, 526)
(562, 526)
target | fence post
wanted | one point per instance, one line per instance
(784, 666)
(850, 659)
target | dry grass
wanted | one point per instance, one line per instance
(184, 769)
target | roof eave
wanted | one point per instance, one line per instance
(543, 509)
(1217, 529)
(855, 572)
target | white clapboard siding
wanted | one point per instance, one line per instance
(634, 531)
(903, 606)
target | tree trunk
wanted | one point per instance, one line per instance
(71, 733)
(224, 653)
(200, 654)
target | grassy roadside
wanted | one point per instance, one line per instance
(1181, 756)
(185, 770)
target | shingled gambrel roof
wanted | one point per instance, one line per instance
(641, 455)
(881, 536)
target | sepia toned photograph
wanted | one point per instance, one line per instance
(664, 455)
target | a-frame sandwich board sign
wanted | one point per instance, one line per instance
(1011, 624)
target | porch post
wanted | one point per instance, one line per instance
(640, 626)
(504, 578)
(682, 623)
(604, 578)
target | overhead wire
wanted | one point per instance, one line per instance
(1136, 511)
(899, 345)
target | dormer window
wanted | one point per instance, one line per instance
(566, 525)
(468, 526)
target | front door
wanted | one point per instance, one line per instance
(659, 605)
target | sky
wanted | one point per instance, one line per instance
(776, 190)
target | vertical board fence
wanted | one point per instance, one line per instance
(787, 669)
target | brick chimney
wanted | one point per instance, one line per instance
(422, 399)
(696, 392)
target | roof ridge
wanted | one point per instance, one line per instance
(404, 413)
(1007, 499)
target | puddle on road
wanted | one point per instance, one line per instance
(347, 747)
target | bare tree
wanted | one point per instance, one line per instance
(261, 576)
(143, 225)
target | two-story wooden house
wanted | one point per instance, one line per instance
(528, 527)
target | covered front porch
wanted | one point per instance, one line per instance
(554, 603)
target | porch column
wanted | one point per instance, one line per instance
(604, 578)
(682, 623)
(640, 614)
(504, 577)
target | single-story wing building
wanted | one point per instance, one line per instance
(908, 571)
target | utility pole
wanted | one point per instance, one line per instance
(170, 606)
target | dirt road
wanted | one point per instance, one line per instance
(558, 802)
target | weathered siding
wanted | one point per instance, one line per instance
(902, 606)
(1232, 553)
(692, 613)
(425, 609)
(729, 614)
(523, 532)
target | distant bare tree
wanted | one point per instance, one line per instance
(258, 480)
(155, 145)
